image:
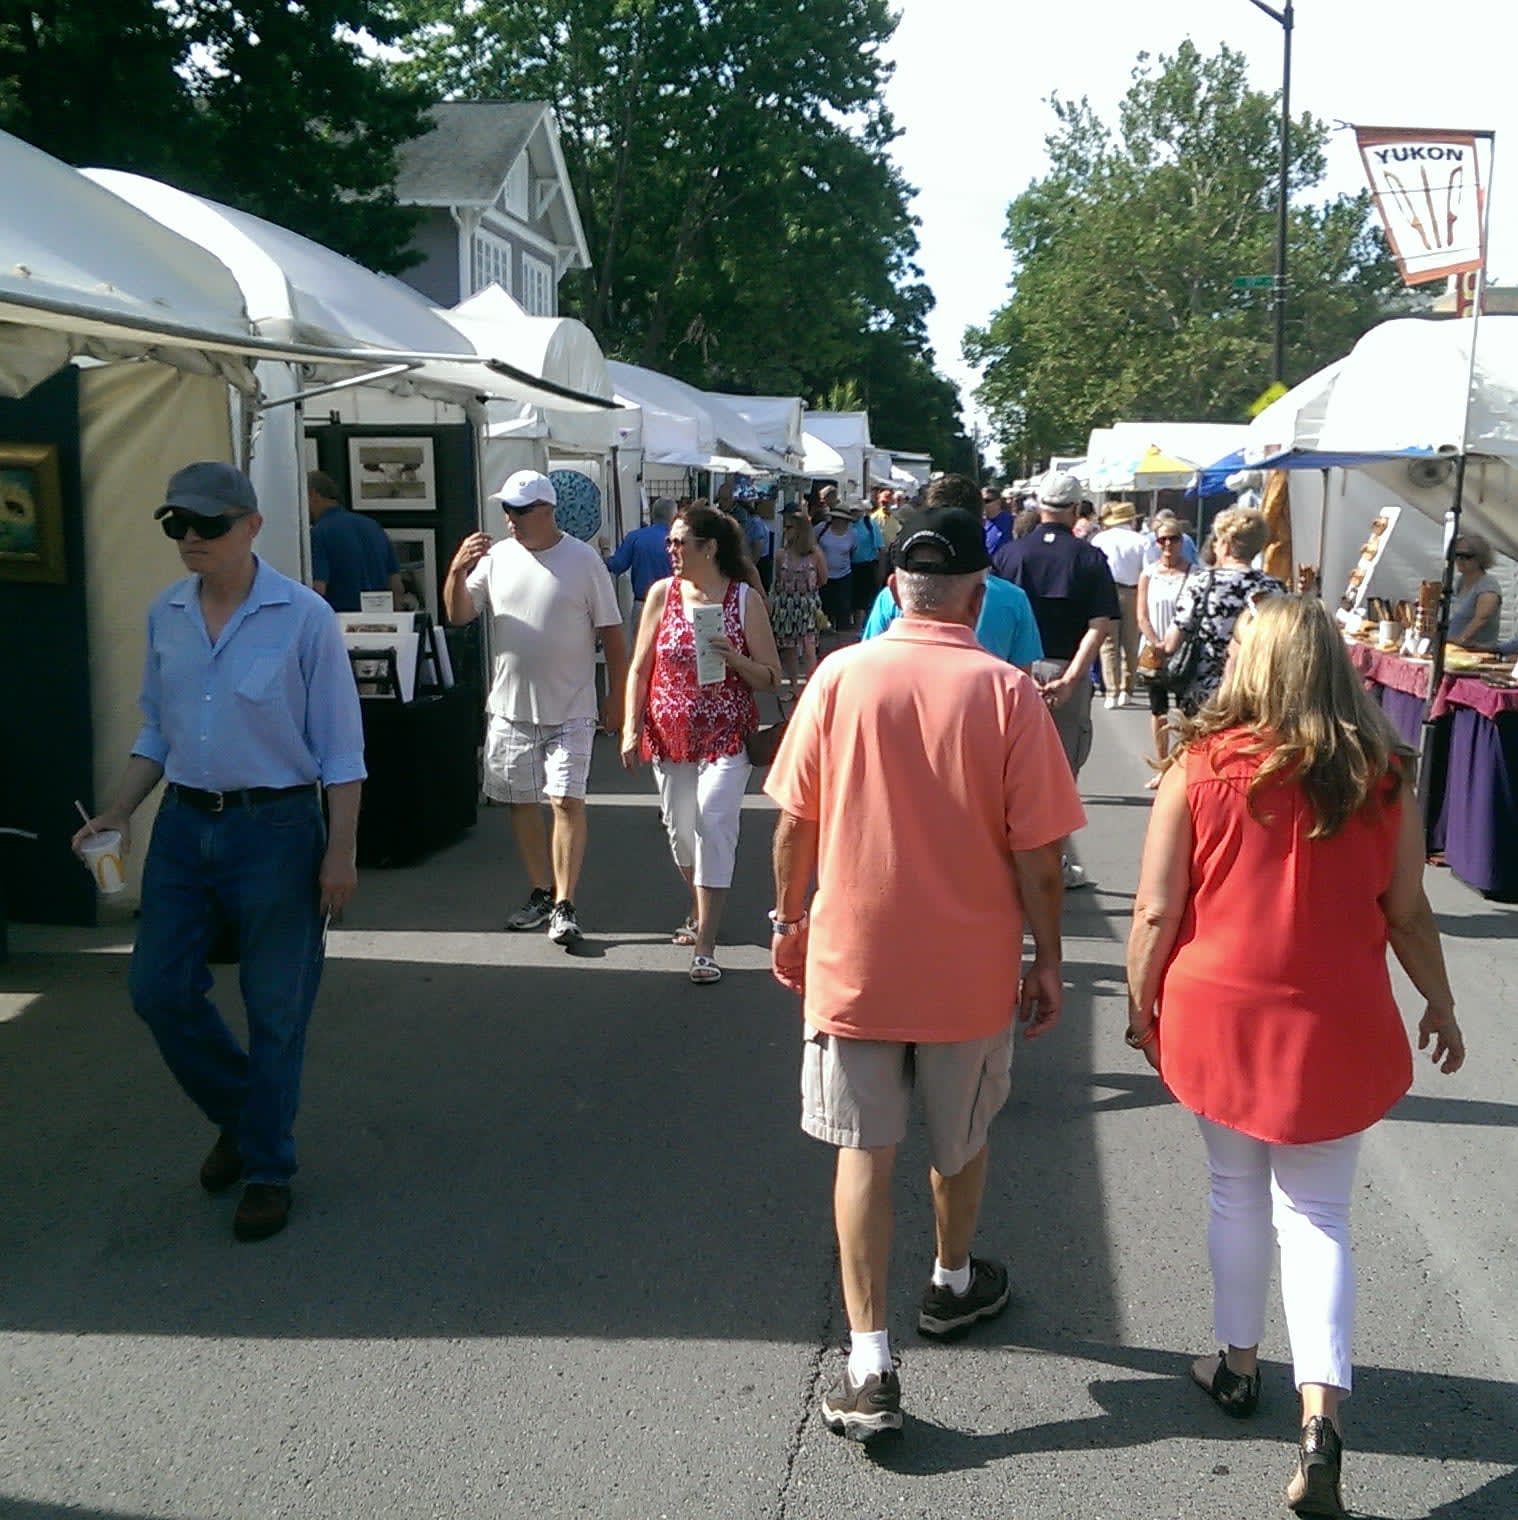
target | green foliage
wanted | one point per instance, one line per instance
(1124, 256)
(268, 106)
(729, 157)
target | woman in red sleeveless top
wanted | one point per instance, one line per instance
(694, 733)
(1284, 856)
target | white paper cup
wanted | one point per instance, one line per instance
(1391, 632)
(102, 854)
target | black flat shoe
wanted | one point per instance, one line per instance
(1235, 1393)
(1314, 1487)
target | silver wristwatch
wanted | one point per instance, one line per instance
(782, 927)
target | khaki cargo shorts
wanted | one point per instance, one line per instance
(858, 1093)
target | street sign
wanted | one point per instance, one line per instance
(1253, 281)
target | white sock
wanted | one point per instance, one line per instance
(869, 1353)
(957, 1280)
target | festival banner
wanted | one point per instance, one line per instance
(1431, 193)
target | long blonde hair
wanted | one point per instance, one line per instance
(1292, 697)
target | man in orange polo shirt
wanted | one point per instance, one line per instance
(923, 784)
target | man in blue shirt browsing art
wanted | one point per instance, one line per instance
(249, 711)
(349, 554)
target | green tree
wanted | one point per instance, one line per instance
(1124, 256)
(271, 107)
(730, 160)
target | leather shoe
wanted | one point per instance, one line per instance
(264, 1211)
(222, 1166)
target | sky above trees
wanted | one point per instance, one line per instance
(972, 83)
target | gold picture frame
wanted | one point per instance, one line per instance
(31, 515)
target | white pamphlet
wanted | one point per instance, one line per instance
(376, 601)
(710, 668)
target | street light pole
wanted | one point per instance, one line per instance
(1286, 20)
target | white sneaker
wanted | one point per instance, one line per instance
(1075, 876)
(1109, 701)
(1122, 699)
(563, 926)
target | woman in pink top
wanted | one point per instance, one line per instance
(1284, 855)
(694, 733)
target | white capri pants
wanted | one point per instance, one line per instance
(1302, 1193)
(701, 802)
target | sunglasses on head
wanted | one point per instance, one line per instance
(179, 522)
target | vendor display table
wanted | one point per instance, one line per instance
(423, 779)
(1472, 795)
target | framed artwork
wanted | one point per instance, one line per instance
(31, 515)
(416, 553)
(310, 458)
(392, 475)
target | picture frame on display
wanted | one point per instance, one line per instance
(392, 474)
(416, 554)
(31, 515)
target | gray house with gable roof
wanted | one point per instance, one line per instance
(498, 206)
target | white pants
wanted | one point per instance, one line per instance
(701, 802)
(1303, 1193)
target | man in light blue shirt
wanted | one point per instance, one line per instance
(249, 712)
(1006, 626)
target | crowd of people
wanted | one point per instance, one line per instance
(1283, 859)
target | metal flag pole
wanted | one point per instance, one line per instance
(1447, 588)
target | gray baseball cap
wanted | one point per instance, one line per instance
(209, 489)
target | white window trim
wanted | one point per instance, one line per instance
(484, 239)
(532, 266)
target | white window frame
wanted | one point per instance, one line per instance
(538, 284)
(489, 262)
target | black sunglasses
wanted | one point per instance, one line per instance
(1464, 554)
(526, 506)
(179, 522)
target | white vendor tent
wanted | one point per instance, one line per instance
(911, 471)
(689, 427)
(821, 461)
(777, 420)
(848, 435)
(1115, 456)
(1382, 427)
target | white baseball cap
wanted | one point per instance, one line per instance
(527, 488)
(1060, 489)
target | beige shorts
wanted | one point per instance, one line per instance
(857, 1093)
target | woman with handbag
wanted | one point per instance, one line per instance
(695, 734)
(1209, 604)
(1158, 588)
(1284, 857)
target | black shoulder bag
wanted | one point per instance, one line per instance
(1181, 663)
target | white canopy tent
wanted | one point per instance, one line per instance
(689, 427)
(1115, 455)
(777, 420)
(847, 434)
(821, 460)
(1383, 426)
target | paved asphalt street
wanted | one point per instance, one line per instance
(560, 1249)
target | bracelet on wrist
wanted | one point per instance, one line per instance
(784, 926)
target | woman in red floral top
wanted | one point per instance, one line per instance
(692, 733)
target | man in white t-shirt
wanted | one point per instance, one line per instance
(549, 599)
(1124, 547)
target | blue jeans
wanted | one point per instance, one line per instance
(255, 868)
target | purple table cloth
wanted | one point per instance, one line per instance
(1479, 820)
(1405, 712)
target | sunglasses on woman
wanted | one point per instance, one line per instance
(179, 522)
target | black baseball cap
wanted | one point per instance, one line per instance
(942, 541)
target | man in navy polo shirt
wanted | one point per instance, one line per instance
(349, 554)
(1075, 605)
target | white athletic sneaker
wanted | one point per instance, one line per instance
(563, 926)
(1109, 701)
(1122, 699)
(1075, 875)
